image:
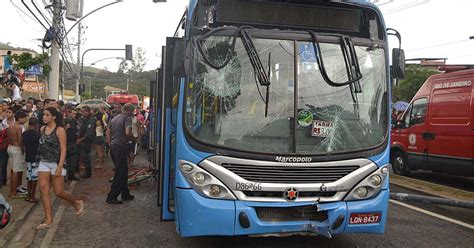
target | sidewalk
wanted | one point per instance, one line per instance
(103, 225)
(20, 210)
(21, 230)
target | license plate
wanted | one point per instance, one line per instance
(364, 218)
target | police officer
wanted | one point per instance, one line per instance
(86, 139)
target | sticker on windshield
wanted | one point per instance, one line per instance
(305, 118)
(321, 128)
(307, 52)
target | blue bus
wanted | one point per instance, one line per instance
(271, 117)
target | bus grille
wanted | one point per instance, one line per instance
(276, 214)
(290, 174)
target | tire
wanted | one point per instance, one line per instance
(399, 163)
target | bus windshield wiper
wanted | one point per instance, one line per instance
(350, 59)
(267, 96)
(257, 65)
(261, 75)
(247, 42)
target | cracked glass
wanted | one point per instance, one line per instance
(343, 119)
(226, 107)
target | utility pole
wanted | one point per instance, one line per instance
(78, 80)
(62, 80)
(53, 92)
(127, 83)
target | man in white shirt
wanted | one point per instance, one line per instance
(16, 93)
(136, 132)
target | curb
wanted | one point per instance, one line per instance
(431, 188)
(18, 221)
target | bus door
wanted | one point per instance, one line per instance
(151, 124)
(157, 120)
(168, 112)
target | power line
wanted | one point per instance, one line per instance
(41, 13)
(28, 8)
(19, 9)
(403, 7)
(439, 45)
(45, 5)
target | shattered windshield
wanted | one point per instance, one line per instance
(298, 112)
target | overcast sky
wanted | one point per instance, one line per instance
(424, 25)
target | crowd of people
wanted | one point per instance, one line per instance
(50, 142)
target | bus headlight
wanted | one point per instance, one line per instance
(187, 167)
(375, 180)
(198, 178)
(361, 192)
(203, 182)
(214, 190)
(370, 186)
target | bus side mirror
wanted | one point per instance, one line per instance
(398, 63)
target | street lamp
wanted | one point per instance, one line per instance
(78, 96)
(117, 1)
(120, 58)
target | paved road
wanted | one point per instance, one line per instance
(137, 224)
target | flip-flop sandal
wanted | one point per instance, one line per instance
(34, 200)
(43, 226)
(80, 212)
(18, 196)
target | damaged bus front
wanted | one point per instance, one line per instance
(274, 119)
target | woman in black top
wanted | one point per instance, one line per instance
(52, 154)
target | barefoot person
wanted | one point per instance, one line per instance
(16, 153)
(52, 153)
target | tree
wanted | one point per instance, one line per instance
(415, 76)
(26, 60)
(86, 96)
(123, 67)
(139, 61)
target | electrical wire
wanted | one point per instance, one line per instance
(41, 13)
(19, 9)
(28, 8)
(439, 45)
(45, 5)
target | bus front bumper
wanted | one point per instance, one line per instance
(200, 216)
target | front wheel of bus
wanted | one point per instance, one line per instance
(399, 163)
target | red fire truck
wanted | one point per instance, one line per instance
(123, 98)
(436, 131)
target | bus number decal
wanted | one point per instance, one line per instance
(248, 186)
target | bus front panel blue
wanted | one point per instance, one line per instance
(200, 216)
